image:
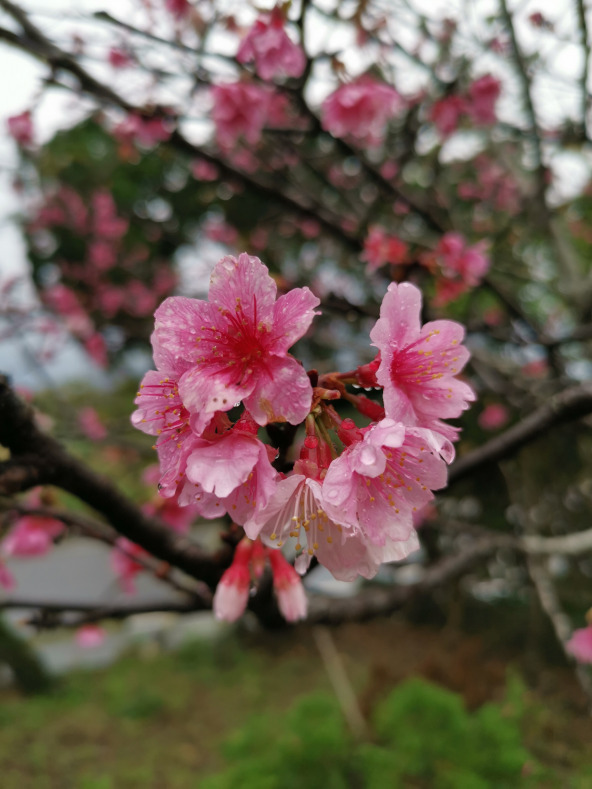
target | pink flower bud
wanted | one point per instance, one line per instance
(288, 587)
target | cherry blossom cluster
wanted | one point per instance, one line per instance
(103, 284)
(346, 493)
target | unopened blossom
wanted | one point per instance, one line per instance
(419, 365)
(274, 53)
(288, 588)
(361, 109)
(20, 128)
(31, 535)
(482, 98)
(235, 345)
(240, 110)
(377, 484)
(580, 644)
(232, 592)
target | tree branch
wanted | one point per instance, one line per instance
(564, 407)
(19, 433)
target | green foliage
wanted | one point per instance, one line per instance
(309, 747)
(425, 737)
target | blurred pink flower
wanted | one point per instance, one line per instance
(580, 644)
(482, 98)
(204, 171)
(361, 108)
(240, 110)
(446, 113)
(274, 53)
(7, 581)
(31, 535)
(123, 564)
(20, 128)
(90, 636)
(493, 416)
(381, 248)
(119, 58)
(90, 424)
(97, 349)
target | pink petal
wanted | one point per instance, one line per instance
(244, 281)
(284, 394)
(292, 316)
(399, 322)
(178, 322)
(222, 466)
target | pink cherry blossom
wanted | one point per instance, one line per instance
(446, 113)
(274, 53)
(147, 132)
(20, 128)
(381, 248)
(236, 469)
(179, 8)
(161, 413)
(482, 98)
(461, 266)
(419, 365)
(90, 636)
(236, 344)
(204, 171)
(378, 483)
(90, 423)
(288, 588)
(232, 592)
(31, 535)
(240, 110)
(297, 512)
(580, 644)
(362, 109)
(119, 58)
(493, 416)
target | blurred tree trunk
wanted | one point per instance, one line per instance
(30, 674)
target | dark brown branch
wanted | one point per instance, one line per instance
(570, 404)
(59, 614)
(384, 600)
(19, 433)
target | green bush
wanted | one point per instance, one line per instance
(424, 738)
